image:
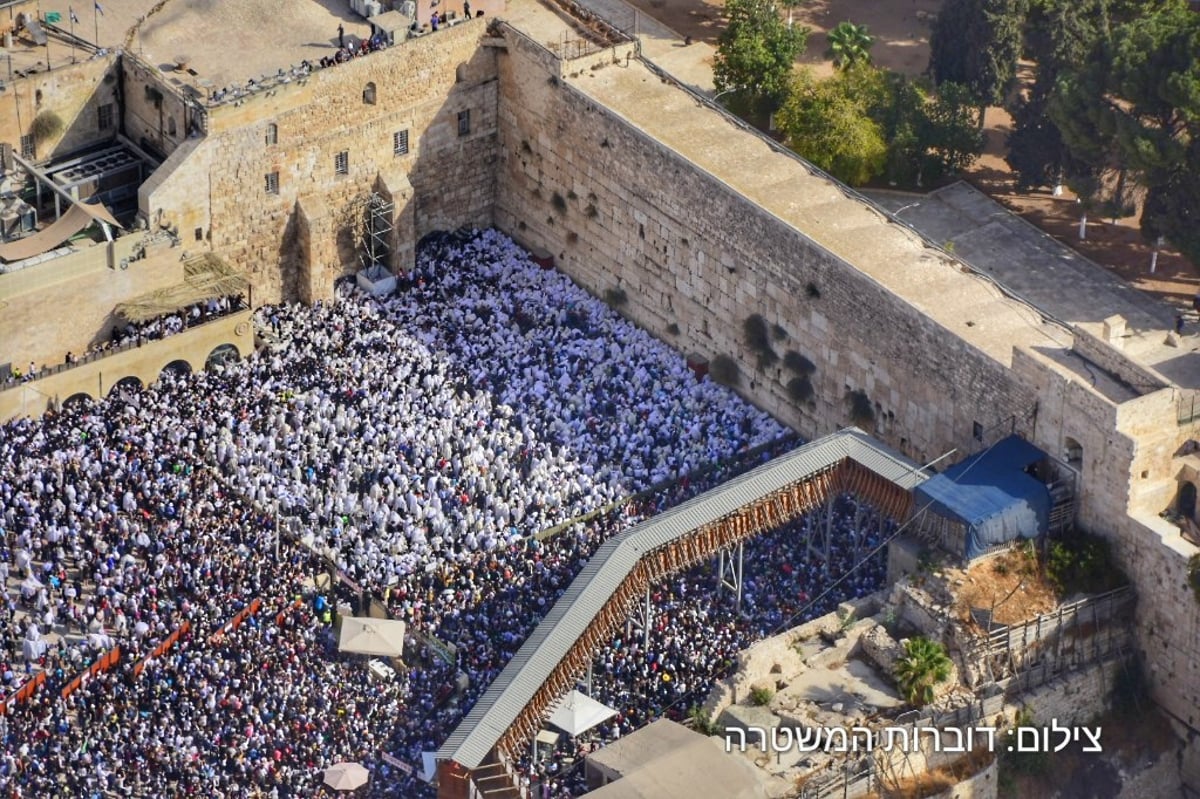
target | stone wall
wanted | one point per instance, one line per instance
(695, 260)
(157, 116)
(67, 304)
(219, 191)
(97, 378)
(75, 94)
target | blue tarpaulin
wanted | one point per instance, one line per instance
(991, 494)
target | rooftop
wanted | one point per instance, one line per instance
(251, 38)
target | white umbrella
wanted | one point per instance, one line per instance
(346, 776)
(576, 713)
(141, 628)
(368, 636)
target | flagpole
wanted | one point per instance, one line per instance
(96, 20)
(71, 17)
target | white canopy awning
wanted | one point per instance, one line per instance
(367, 636)
(577, 713)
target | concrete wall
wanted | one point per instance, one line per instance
(97, 378)
(66, 304)
(220, 187)
(74, 93)
(618, 209)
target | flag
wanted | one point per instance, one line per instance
(101, 10)
(71, 12)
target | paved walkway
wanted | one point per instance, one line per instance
(1048, 274)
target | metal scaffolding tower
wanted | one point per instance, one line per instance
(376, 229)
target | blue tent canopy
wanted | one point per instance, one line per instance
(991, 494)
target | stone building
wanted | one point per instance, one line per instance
(573, 138)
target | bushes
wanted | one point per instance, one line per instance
(1082, 565)
(724, 370)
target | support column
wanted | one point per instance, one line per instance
(316, 238)
(730, 572)
(402, 243)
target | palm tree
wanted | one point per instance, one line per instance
(923, 665)
(849, 44)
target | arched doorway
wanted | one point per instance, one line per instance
(222, 356)
(1185, 503)
(80, 400)
(179, 367)
(126, 385)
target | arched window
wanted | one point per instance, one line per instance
(369, 93)
(170, 126)
(1185, 503)
(1073, 452)
(272, 133)
(460, 73)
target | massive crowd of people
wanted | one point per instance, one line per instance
(419, 441)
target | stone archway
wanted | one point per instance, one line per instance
(77, 400)
(178, 366)
(1185, 500)
(221, 356)
(130, 383)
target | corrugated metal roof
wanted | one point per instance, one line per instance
(478, 733)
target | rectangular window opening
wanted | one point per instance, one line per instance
(400, 142)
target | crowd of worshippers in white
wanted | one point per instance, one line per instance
(423, 439)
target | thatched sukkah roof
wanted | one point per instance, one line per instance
(206, 277)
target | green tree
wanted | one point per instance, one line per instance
(976, 43)
(952, 135)
(756, 53)
(849, 44)
(1059, 36)
(923, 665)
(828, 122)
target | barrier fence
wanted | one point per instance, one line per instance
(162, 648)
(106, 661)
(236, 621)
(24, 692)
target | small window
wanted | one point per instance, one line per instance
(341, 163)
(199, 234)
(369, 93)
(464, 123)
(105, 116)
(272, 183)
(272, 134)
(400, 142)
(977, 431)
(171, 126)
(27, 148)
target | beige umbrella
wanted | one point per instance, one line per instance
(367, 636)
(346, 776)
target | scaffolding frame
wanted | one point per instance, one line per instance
(377, 227)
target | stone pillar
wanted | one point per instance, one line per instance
(316, 242)
(402, 244)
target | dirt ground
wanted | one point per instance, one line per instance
(901, 28)
(1010, 586)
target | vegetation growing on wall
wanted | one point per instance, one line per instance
(862, 413)
(724, 370)
(615, 297)
(46, 126)
(758, 340)
(800, 389)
